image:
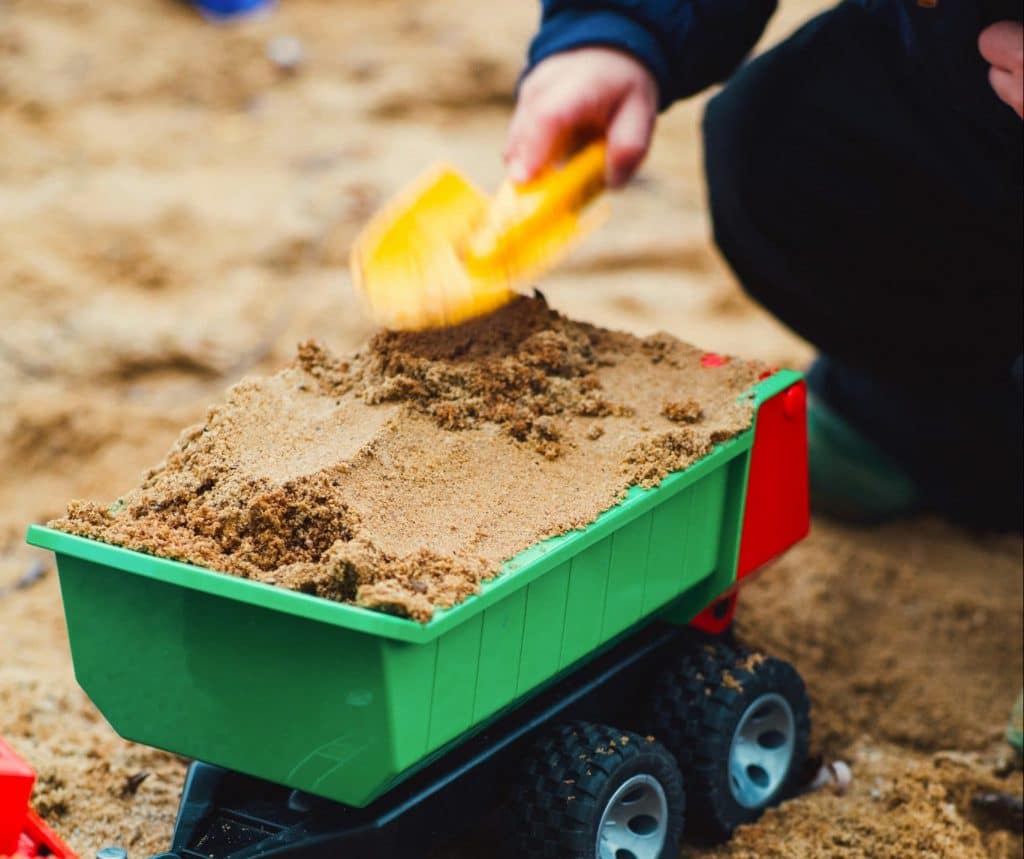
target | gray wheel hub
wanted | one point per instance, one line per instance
(761, 752)
(635, 821)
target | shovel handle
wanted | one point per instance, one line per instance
(574, 184)
(520, 212)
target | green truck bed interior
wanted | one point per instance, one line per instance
(344, 702)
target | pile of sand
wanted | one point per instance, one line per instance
(403, 476)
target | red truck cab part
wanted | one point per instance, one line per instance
(23, 835)
(777, 511)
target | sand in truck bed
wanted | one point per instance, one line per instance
(401, 477)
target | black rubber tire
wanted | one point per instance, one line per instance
(570, 775)
(695, 709)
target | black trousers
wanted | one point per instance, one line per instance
(877, 211)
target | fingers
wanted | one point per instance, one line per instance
(536, 135)
(1002, 44)
(629, 136)
(1009, 87)
(545, 126)
(577, 95)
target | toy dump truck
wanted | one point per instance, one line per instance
(584, 691)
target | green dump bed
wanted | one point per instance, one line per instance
(345, 702)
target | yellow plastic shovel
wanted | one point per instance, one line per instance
(442, 252)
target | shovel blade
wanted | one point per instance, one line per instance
(407, 263)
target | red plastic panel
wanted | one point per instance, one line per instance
(38, 840)
(16, 779)
(777, 513)
(23, 835)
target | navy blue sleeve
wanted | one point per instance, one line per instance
(687, 44)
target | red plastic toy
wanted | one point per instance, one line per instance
(777, 514)
(23, 835)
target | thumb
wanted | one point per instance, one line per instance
(629, 137)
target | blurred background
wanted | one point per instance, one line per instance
(177, 201)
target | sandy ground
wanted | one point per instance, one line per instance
(175, 212)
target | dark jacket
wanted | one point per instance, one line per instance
(690, 44)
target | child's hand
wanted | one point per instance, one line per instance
(580, 94)
(1002, 45)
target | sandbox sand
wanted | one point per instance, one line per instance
(175, 213)
(401, 477)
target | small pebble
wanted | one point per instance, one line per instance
(835, 775)
(35, 573)
(286, 53)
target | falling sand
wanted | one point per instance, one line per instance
(402, 477)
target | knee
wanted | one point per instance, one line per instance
(748, 132)
(738, 156)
